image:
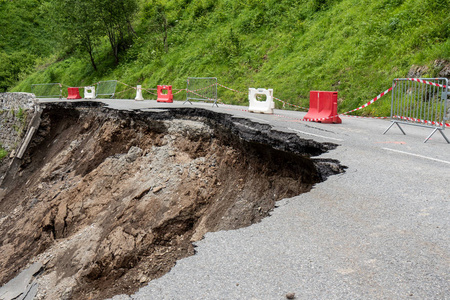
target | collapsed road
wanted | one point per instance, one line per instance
(106, 200)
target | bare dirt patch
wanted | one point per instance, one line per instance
(109, 200)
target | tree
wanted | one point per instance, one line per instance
(13, 67)
(82, 24)
(115, 19)
(78, 25)
(155, 13)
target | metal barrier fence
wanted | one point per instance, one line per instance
(201, 88)
(106, 88)
(421, 102)
(47, 90)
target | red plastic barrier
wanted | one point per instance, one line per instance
(74, 93)
(323, 105)
(168, 98)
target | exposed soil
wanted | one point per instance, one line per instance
(110, 200)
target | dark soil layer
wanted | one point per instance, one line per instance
(108, 200)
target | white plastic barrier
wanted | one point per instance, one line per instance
(89, 92)
(265, 107)
(139, 93)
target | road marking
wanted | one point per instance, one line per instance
(318, 135)
(418, 155)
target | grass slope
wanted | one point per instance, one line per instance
(351, 46)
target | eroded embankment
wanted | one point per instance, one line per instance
(108, 200)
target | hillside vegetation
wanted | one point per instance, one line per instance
(355, 47)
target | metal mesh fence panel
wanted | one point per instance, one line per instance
(106, 88)
(47, 90)
(420, 102)
(202, 89)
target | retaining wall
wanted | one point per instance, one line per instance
(15, 111)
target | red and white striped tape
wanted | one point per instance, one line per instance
(277, 99)
(148, 91)
(225, 87)
(424, 81)
(126, 84)
(181, 90)
(287, 103)
(210, 99)
(422, 121)
(371, 101)
(203, 88)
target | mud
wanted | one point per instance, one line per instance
(109, 200)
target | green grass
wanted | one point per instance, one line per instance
(3, 153)
(354, 47)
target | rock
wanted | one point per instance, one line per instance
(158, 188)
(133, 154)
(21, 284)
(290, 295)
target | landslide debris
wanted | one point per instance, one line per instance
(109, 200)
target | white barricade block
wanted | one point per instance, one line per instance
(139, 93)
(89, 92)
(265, 107)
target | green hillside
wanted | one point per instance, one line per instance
(351, 46)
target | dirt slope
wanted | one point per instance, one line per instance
(109, 200)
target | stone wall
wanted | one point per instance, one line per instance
(15, 111)
(15, 101)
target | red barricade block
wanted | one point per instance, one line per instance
(168, 98)
(74, 93)
(323, 107)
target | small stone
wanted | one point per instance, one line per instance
(143, 279)
(290, 295)
(157, 189)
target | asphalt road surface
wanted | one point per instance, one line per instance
(378, 231)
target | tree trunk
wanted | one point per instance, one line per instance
(90, 48)
(166, 47)
(93, 61)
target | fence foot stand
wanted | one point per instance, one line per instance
(434, 131)
(442, 132)
(392, 124)
(187, 101)
(215, 104)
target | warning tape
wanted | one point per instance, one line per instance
(148, 91)
(225, 87)
(124, 91)
(126, 84)
(203, 88)
(277, 99)
(371, 101)
(287, 103)
(422, 121)
(206, 98)
(181, 90)
(424, 81)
